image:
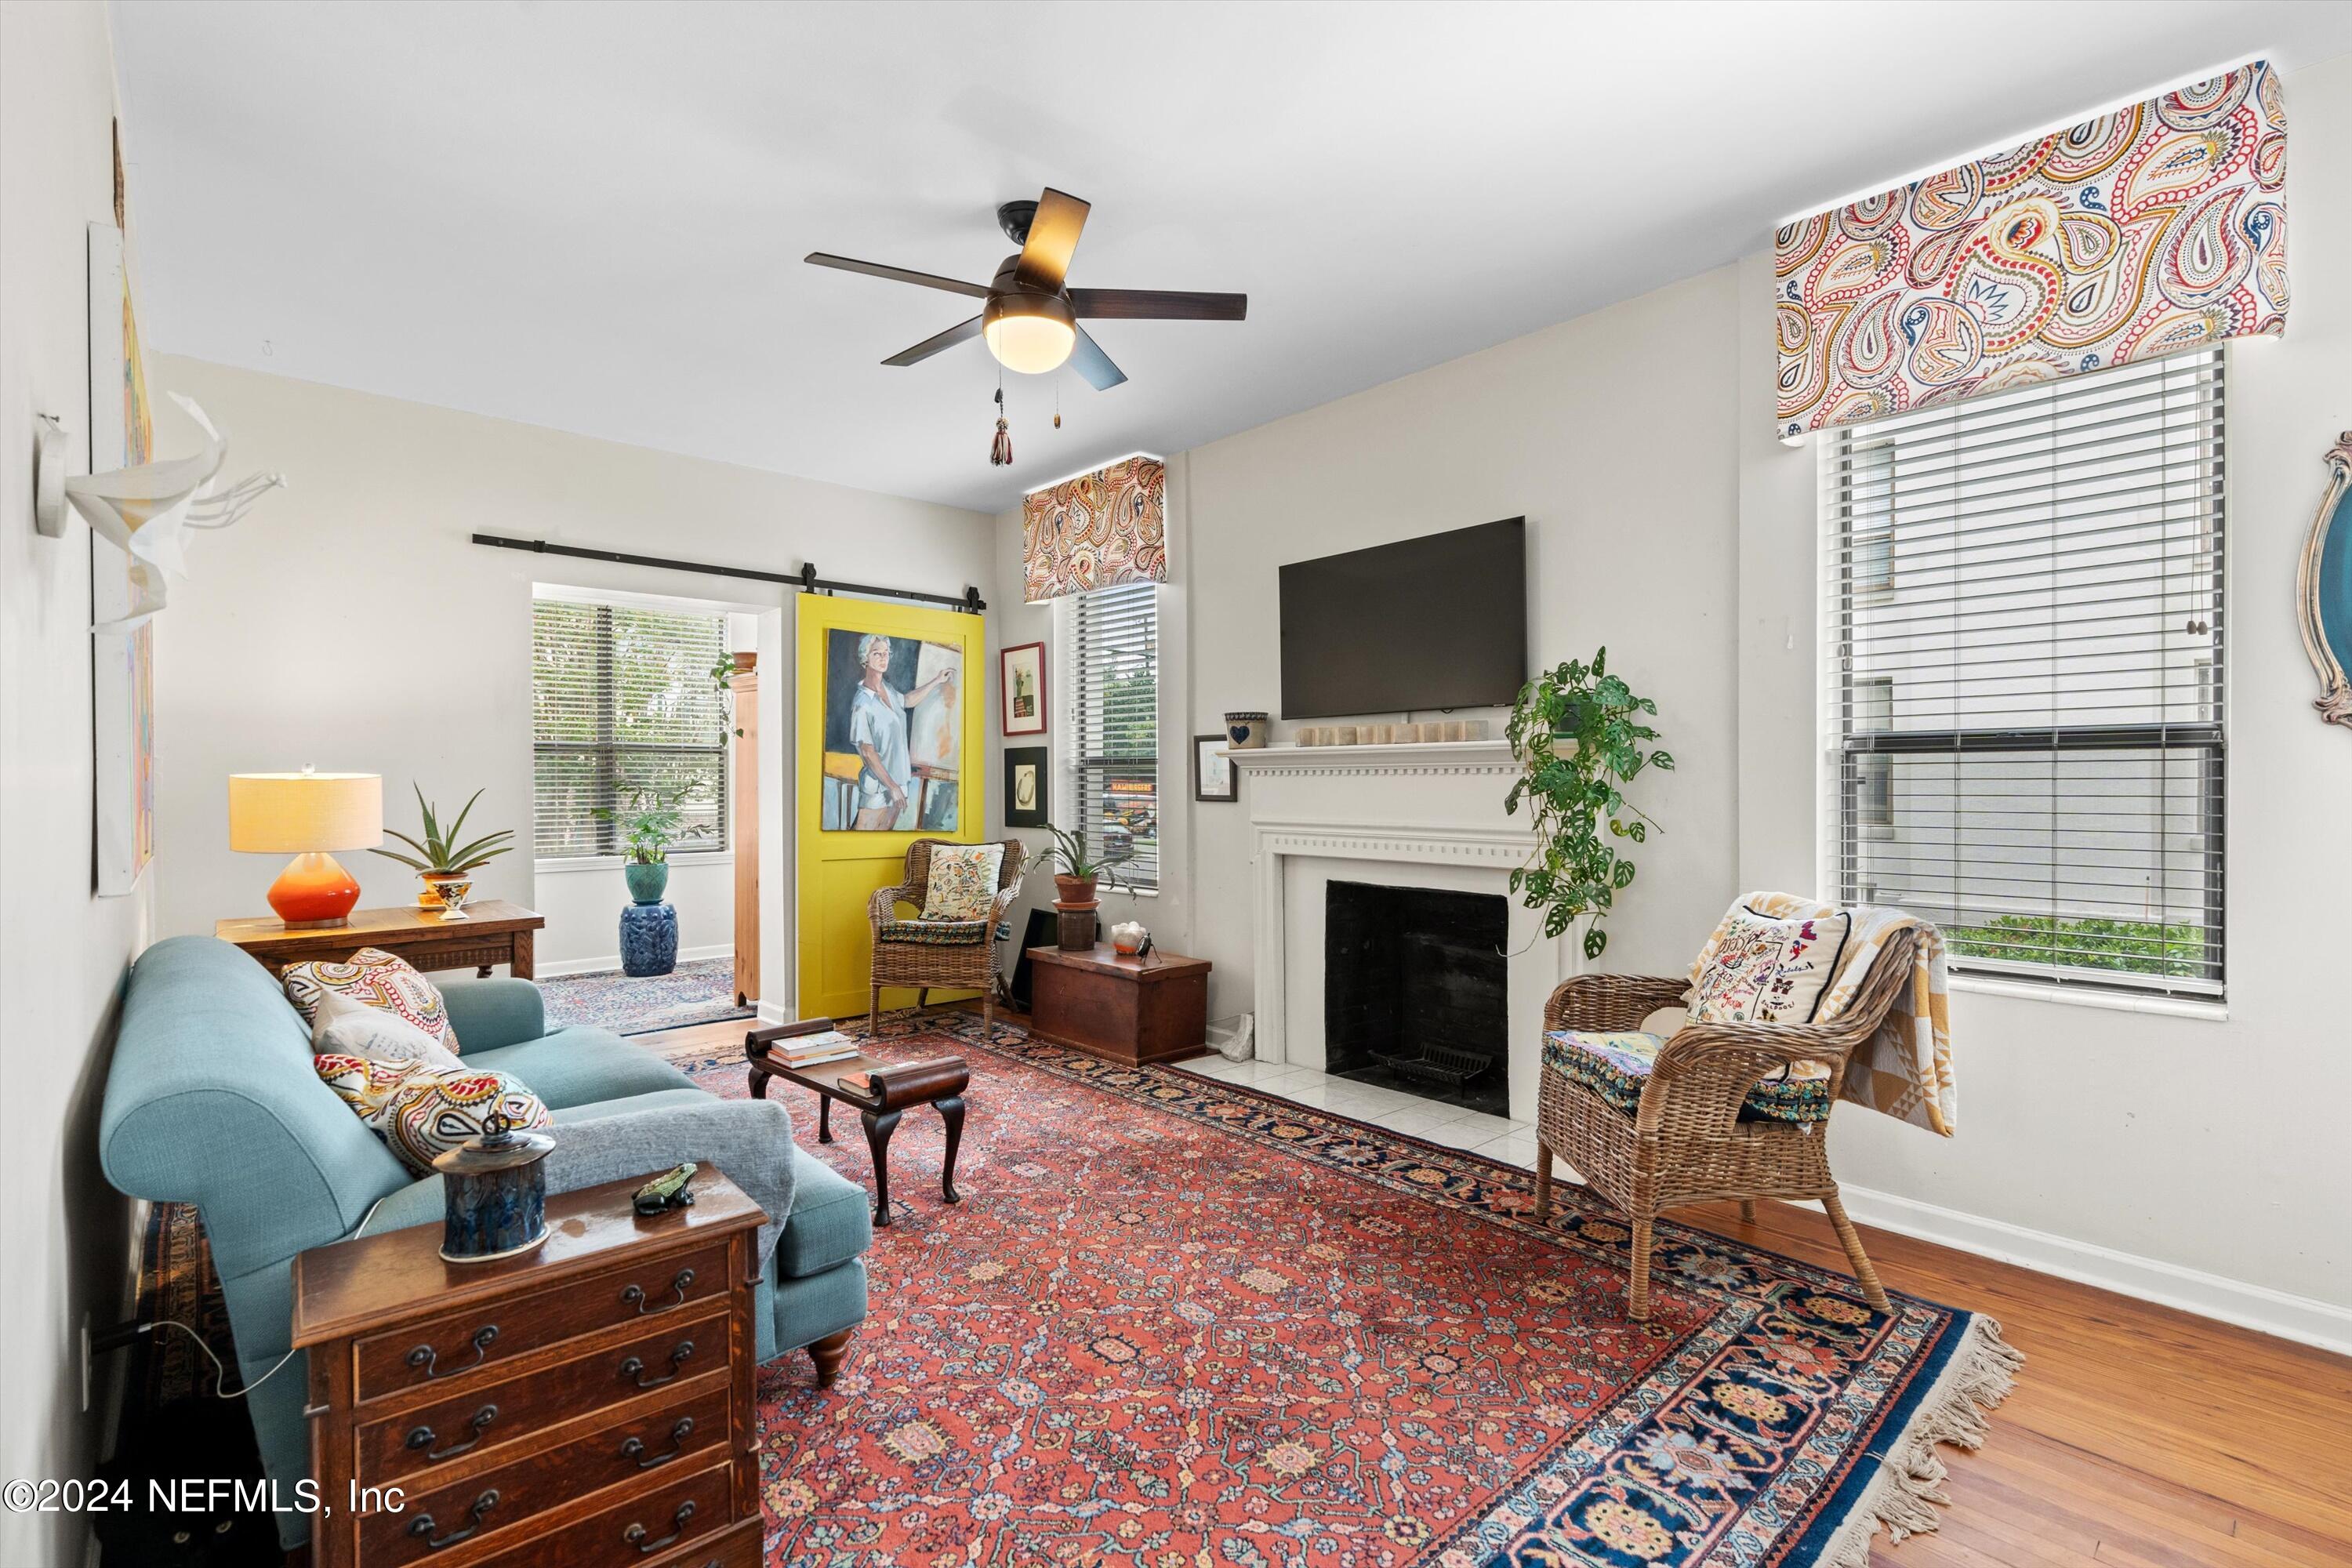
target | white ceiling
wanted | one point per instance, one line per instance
(591, 216)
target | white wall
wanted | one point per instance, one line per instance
(2216, 1147)
(349, 622)
(63, 953)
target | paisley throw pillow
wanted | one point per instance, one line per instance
(963, 884)
(378, 979)
(420, 1113)
(1759, 970)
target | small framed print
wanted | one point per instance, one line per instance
(1214, 775)
(1022, 688)
(1025, 786)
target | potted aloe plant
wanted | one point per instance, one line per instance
(448, 864)
(651, 820)
(1077, 875)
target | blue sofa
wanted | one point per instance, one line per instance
(211, 1100)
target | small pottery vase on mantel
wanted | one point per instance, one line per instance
(647, 880)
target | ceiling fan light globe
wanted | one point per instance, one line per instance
(1029, 333)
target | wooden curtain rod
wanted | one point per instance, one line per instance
(805, 579)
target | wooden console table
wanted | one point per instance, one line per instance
(1132, 1010)
(492, 932)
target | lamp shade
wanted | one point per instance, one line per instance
(289, 814)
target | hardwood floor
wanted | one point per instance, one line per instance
(2137, 1437)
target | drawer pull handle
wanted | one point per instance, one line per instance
(423, 1357)
(635, 1370)
(636, 1534)
(422, 1526)
(423, 1436)
(635, 1448)
(635, 1296)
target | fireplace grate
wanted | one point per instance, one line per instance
(1436, 1064)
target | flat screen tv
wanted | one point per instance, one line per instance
(1435, 621)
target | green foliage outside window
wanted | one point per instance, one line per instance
(2138, 947)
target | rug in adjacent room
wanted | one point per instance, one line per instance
(1178, 1324)
(702, 992)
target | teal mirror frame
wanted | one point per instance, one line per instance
(2323, 588)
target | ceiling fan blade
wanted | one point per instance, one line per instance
(898, 274)
(1090, 362)
(1053, 238)
(1158, 305)
(930, 346)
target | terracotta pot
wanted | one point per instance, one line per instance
(1077, 892)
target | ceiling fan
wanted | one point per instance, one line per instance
(1030, 319)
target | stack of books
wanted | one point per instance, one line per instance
(808, 1050)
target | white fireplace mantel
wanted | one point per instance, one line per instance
(1428, 814)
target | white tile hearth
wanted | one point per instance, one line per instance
(1495, 1137)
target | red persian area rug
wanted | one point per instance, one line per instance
(1179, 1324)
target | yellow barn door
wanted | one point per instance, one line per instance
(890, 749)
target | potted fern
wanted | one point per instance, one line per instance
(448, 864)
(1577, 730)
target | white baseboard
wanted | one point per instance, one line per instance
(775, 1013)
(613, 961)
(2300, 1318)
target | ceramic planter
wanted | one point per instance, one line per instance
(647, 880)
(431, 897)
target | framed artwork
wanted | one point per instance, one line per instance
(893, 741)
(2323, 588)
(1025, 805)
(1023, 688)
(1214, 775)
(122, 662)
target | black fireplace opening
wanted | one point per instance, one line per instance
(1413, 992)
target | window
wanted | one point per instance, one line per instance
(624, 707)
(1113, 639)
(2025, 651)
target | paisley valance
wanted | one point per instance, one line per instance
(1097, 531)
(2140, 233)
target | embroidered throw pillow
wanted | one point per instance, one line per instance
(963, 884)
(344, 1027)
(378, 979)
(1759, 970)
(420, 1113)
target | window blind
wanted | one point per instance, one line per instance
(1115, 719)
(622, 704)
(2026, 644)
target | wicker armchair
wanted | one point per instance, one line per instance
(1687, 1143)
(929, 965)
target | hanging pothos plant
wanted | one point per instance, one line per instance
(1576, 729)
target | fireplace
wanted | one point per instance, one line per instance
(1414, 992)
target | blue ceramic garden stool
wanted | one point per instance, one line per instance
(648, 939)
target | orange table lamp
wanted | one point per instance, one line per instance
(305, 814)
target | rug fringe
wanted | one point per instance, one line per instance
(1909, 1486)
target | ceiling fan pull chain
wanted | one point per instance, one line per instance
(999, 453)
(1057, 405)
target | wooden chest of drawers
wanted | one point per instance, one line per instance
(585, 1405)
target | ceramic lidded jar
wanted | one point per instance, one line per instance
(494, 1187)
